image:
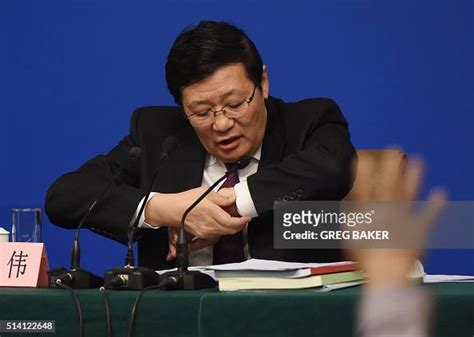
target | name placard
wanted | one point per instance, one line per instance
(23, 264)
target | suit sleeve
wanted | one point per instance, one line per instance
(70, 196)
(318, 167)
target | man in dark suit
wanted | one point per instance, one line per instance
(299, 151)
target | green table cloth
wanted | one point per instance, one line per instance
(208, 313)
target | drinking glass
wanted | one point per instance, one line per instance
(26, 225)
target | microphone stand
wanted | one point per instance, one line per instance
(182, 278)
(76, 277)
(131, 277)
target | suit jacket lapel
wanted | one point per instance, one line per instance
(184, 167)
(274, 144)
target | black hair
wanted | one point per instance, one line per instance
(200, 50)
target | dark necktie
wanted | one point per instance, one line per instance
(229, 248)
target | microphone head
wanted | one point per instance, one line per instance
(168, 145)
(241, 163)
(135, 153)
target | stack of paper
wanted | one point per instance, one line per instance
(266, 274)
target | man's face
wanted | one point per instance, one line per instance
(226, 138)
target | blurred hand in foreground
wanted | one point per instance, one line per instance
(390, 267)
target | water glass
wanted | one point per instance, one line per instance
(26, 225)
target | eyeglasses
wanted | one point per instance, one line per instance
(234, 110)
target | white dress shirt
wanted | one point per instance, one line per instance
(213, 170)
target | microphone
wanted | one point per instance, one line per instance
(76, 277)
(183, 278)
(131, 277)
(133, 155)
(168, 145)
(240, 164)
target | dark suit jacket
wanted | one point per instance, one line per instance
(306, 155)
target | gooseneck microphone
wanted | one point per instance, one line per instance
(131, 277)
(76, 277)
(183, 278)
(169, 144)
(133, 155)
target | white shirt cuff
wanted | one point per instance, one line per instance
(243, 200)
(142, 223)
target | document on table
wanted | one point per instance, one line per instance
(270, 265)
(447, 278)
(276, 266)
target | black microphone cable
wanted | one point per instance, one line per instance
(135, 306)
(107, 311)
(60, 284)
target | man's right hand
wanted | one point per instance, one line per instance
(207, 220)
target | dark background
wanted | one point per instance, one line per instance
(71, 73)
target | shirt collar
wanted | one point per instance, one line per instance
(211, 160)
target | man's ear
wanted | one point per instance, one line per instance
(265, 82)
